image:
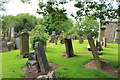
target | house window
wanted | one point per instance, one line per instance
(114, 33)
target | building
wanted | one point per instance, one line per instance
(110, 32)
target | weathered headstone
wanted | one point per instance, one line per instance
(52, 37)
(104, 42)
(62, 37)
(41, 58)
(94, 51)
(80, 40)
(24, 44)
(17, 42)
(69, 48)
(117, 37)
(56, 39)
(101, 33)
(11, 32)
(4, 47)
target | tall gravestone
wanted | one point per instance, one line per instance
(104, 42)
(69, 47)
(11, 32)
(117, 37)
(41, 58)
(101, 33)
(24, 44)
(94, 51)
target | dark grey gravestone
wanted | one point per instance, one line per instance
(94, 51)
(104, 42)
(69, 48)
(24, 45)
(41, 58)
(4, 47)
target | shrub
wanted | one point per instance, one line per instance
(39, 35)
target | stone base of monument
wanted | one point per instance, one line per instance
(32, 72)
(10, 46)
(90, 51)
(49, 76)
(105, 66)
(64, 55)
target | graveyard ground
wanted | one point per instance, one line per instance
(68, 67)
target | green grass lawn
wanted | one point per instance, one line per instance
(69, 67)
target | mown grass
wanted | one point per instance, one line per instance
(69, 67)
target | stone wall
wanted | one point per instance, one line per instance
(110, 32)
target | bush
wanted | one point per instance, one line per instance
(39, 35)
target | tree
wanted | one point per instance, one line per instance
(53, 16)
(25, 22)
(22, 22)
(102, 11)
(7, 20)
(87, 25)
(2, 3)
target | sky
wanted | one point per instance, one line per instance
(15, 7)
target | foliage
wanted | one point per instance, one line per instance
(2, 3)
(39, 34)
(22, 22)
(87, 25)
(102, 11)
(25, 21)
(54, 17)
(7, 20)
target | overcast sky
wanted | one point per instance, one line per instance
(15, 7)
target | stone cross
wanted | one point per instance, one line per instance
(69, 48)
(94, 51)
(41, 58)
(24, 45)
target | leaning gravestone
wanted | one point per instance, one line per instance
(41, 58)
(94, 51)
(69, 48)
(24, 45)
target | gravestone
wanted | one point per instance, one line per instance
(80, 40)
(41, 58)
(56, 39)
(17, 42)
(24, 45)
(94, 51)
(52, 37)
(69, 47)
(4, 47)
(11, 32)
(104, 42)
(117, 36)
(62, 37)
(101, 34)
